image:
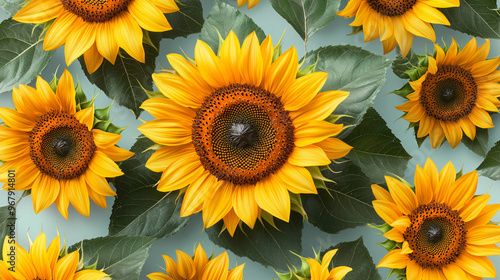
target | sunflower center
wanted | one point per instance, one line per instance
(95, 10)
(61, 146)
(242, 134)
(450, 94)
(436, 235)
(391, 8)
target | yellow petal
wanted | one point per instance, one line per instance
(282, 73)
(251, 64)
(484, 235)
(62, 200)
(229, 54)
(98, 183)
(215, 208)
(476, 265)
(472, 208)
(483, 250)
(303, 90)
(315, 131)
(452, 132)
(162, 108)
(79, 196)
(394, 259)
(334, 148)
(320, 107)
(310, 155)
(381, 194)
(105, 139)
(484, 217)
(273, 198)
(166, 6)
(79, 41)
(388, 211)
(167, 132)
(66, 92)
(351, 8)
(39, 11)
(59, 30)
(423, 187)
(403, 196)
(164, 157)
(244, 204)
(296, 179)
(103, 166)
(66, 266)
(217, 268)
(148, 15)
(93, 59)
(231, 221)
(86, 116)
(395, 235)
(462, 190)
(200, 189)
(209, 65)
(40, 258)
(117, 154)
(453, 271)
(485, 67)
(403, 36)
(237, 272)
(106, 43)
(429, 14)
(45, 192)
(128, 35)
(185, 265)
(175, 87)
(417, 26)
(180, 174)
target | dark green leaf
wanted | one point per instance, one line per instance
(8, 221)
(188, 20)
(264, 243)
(355, 255)
(224, 18)
(120, 257)
(475, 17)
(139, 209)
(400, 65)
(122, 81)
(21, 53)
(490, 167)
(348, 203)
(11, 6)
(480, 144)
(352, 69)
(307, 16)
(376, 150)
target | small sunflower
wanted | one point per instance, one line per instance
(438, 229)
(396, 21)
(40, 263)
(240, 130)
(56, 153)
(98, 28)
(317, 269)
(198, 267)
(251, 3)
(454, 94)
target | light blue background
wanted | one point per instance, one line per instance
(79, 227)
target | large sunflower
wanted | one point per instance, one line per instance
(40, 263)
(240, 130)
(251, 3)
(453, 95)
(440, 230)
(317, 269)
(98, 28)
(55, 152)
(198, 267)
(396, 21)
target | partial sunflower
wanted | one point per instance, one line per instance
(98, 28)
(317, 269)
(41, 263)
(251, 3)
(57, 154)
(396, 21)
(238, 130)
(437, 229)
(451, 92)
(198, 267)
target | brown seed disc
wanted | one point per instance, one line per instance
(61, 146)
(450, 94)
(391, 8)
(436, 235)
(95, 10)
(242, 134)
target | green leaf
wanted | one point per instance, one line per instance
(224, 18)
(475, 17)
(346, 204)
(490, 167)
(355, 255)
(139, 209)
(402, 64)
(352, 69)
(264, 243)
(7, 222)
(375, 149)
(21, 53)
(480, 144)
(120, 257)
(11, 6)
(307, 16)
(188, 20)
(124, 81)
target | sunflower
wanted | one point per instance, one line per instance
(40, 263)
(54, 150)
(317, 269)
(453, 95)
(98, 28)
(240, 130)
(440, 230)
(251, 3)
(396, 21)
(198, 267)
